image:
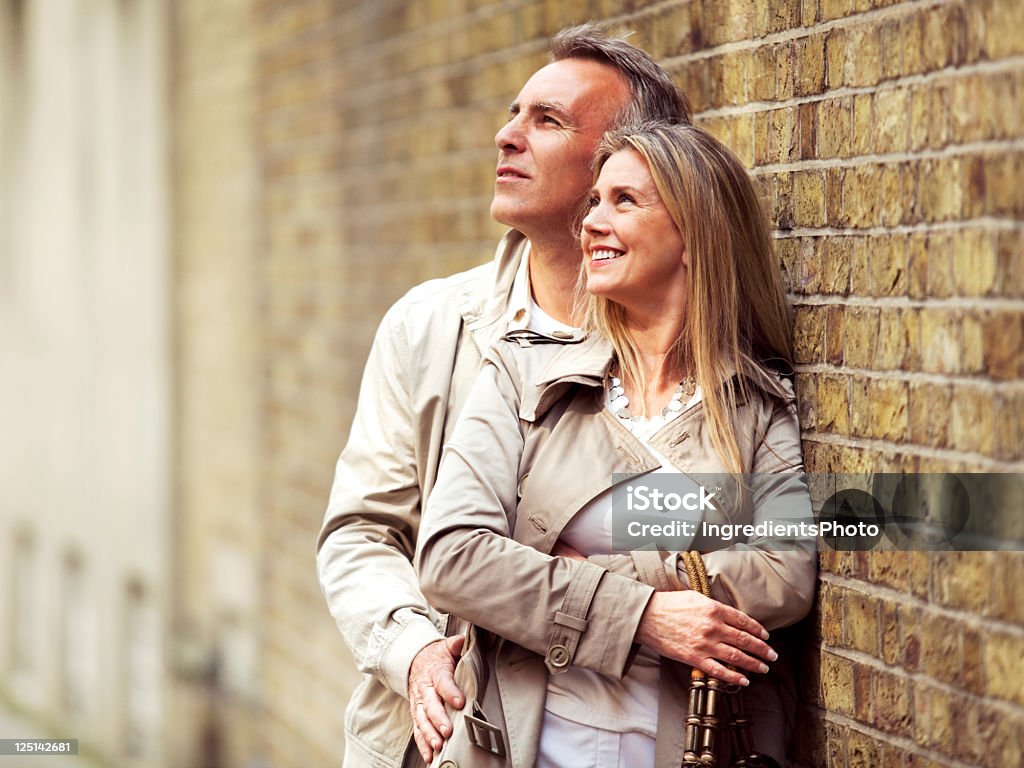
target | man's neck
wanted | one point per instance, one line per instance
(554, 271)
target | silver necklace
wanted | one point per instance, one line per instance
(619, 402)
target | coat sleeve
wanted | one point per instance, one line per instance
(365, 547)
(771, 579)
(571, 612)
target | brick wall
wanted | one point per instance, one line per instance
(888, 141)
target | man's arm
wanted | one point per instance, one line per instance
(366, 544)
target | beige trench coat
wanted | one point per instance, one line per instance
(534, 444)
(424, 360)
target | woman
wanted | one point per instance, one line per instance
(680, 370)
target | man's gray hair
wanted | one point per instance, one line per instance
(655, 95)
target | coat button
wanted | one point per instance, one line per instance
(448, 764)
(559, 656)
(561, 334)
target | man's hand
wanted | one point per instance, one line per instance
(431, 686)
(705, 634)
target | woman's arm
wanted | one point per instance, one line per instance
(468, 564)
(773, 579)
(569, 611)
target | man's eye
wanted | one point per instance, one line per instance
(552, 121)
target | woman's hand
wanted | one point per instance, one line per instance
(705, 634)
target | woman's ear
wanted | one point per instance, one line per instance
(685, 256)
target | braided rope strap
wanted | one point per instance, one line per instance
(706, 697)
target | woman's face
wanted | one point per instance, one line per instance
(634, 253)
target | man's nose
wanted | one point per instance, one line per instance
(509, 137)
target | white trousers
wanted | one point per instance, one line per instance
(565, 744)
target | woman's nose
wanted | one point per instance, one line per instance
(595, 222)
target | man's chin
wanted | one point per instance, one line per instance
(503, 212)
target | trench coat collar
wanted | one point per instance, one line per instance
(483, 312)
(587, 363)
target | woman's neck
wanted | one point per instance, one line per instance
(658, 357)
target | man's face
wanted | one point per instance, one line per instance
(545, 148)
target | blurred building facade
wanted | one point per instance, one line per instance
(205, 208)
(86, 391)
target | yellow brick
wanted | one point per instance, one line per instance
(975, 263)
(911, 33)
(889, 266)
(1004, 666)
(836, 684)
(833, 404)
(1008, 574)
(861, 196)
(834, 9)
(940, 340)
(892, 48)
(890, 569)
(941, 189)
(834, 335)
(892, 340)
(764, 74)
(1010, 431)
(920, 106)
(782, 136)
(891, 701)
(891, 187)
(834, 196)
(862, 751)
(762, 153)
(743, 139)
(973, 341)
(835, 268)
(1004, 344)
(940, 99)
(785, 58)
(810, 65)
(889, 402)
(971, 108)
(891, 120)
(1003, 23)
(929, 413)
(972, 424)
(860, 627)
(1010, 264)
(809, 198)
(835, 58)
(783, 201)
(808, 12)
(860, 337)
(736, 72)
(808, 334)
(860, 267)
(862, 120)
(865, 39)
(1004, 192)
(808, 267)
(917, 265)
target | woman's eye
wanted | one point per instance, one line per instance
(624, 198)
(592, 201)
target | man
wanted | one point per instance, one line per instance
(422, 365)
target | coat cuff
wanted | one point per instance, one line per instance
(417, 633)
(616, 610)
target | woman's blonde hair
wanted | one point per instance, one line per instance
(735, 327)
